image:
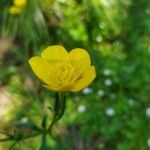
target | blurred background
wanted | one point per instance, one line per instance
(113, 113)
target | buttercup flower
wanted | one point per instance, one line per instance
(62, 71)
(20, 3)
(15, 10)
(17, 6)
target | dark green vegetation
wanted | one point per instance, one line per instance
(114, 112)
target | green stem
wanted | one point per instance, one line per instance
(13, 146)
(44, 142)
(30, 136)
(59, 108)
(4, 140)
(23, 138)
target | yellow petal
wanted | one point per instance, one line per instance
(80, 59)
(85, 80)
(52, 88)
(55, 53)
(41, 68)
(57, 89)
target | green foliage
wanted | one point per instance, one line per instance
(114, 113)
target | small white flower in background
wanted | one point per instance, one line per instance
(107, 72)
(62, 1)
(147, 111)
(106, 3)
(131, 101)
(147, 11)
(102, 25)
(110, 112)
(99, 38)
(100, 92)
(87, 91)
(81, 108)
(113, 96)
(24, 120)
(148, 142)
(108, 82)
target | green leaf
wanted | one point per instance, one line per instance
(51, 109)
(44, 121)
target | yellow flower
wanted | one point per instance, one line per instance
(62, 71)
(15, 10)
(20, 3)
(17, 7)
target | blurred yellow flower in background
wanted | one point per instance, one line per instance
(20, 3)
(15, 10)
(62, 71)
(17, 7)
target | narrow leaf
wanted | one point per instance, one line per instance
(44, 122)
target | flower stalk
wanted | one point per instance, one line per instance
(59, 108)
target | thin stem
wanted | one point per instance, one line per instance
(23, 138)
(59, 108)
(44, 142)
(13, 146)
(30, 136)
(4, 140)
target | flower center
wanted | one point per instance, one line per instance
(64, 75)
